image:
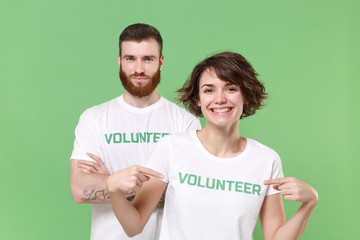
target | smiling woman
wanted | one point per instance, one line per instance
(236, 71)
(221, 102)
(214, 170)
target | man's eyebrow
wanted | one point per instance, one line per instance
(133, 56)
(150, 56)
(128, 55)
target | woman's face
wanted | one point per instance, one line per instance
(221, 102)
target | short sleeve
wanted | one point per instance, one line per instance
(194, 124)
(161, 157)
(189, 122)
(276, 172)
(86, 137)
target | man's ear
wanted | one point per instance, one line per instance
(161, 61)
(119, 58)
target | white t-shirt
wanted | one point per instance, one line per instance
(122, 135)
(208, 197)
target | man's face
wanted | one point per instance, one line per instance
(140, 64)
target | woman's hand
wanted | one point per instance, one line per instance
(294, 190)
(130, 180)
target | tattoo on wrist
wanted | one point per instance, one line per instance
(93, 195)
(129, 196)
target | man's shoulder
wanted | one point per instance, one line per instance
(101, 108)
(170, 103)
(181, 117)
(174, 107)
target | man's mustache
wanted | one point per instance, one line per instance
(139, 75)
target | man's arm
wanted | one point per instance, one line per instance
(88, 181)
(87, 187)
(87, 171)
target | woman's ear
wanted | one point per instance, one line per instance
(198, 102)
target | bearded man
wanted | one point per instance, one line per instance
(124, 131)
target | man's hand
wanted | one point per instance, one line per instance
(93, 167)
(130, 180)
(294, 190)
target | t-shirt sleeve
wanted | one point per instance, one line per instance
(191, 123)
(160, 158)
(86, 137)
(276, 172)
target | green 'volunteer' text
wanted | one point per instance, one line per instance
(140, 137)
(218, 184)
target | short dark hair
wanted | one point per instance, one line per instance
(139, 32)
(230, 67)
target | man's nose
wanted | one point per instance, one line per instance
(139, 67)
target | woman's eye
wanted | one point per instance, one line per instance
(207, 90)
(232, 89)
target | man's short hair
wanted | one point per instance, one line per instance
(139, 32)
(230, 67)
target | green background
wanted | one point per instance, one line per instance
(60, 57)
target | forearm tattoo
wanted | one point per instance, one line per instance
(102, 195)
(93, 195)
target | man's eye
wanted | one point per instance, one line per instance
(148, 59)
(130, 59)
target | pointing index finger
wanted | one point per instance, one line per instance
(150, 172)
(276, 181)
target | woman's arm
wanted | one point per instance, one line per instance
(272, 215)
(144, 181)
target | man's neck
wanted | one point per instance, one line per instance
(141, 102)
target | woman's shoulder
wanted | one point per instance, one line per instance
(261, 148)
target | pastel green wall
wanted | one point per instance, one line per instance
(60, 57)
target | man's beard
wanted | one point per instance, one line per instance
(139, 91)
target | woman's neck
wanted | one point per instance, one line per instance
(224, 142)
